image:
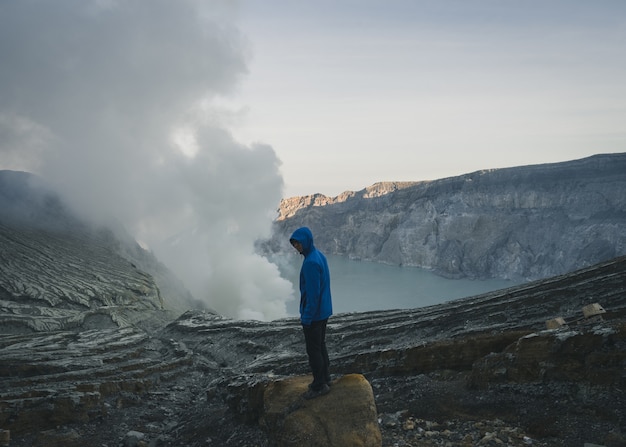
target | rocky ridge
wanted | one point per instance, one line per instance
(527, 222)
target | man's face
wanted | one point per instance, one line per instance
(297, 245)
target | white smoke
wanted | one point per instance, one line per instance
(110, 101)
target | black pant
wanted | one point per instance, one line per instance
(315, 338)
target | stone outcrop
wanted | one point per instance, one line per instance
(527, 222)
(346, 417)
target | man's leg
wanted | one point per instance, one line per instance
(325, 355)
(313, 338)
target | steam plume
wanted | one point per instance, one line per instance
(110, 101)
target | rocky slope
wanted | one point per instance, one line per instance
(454, 374)
(89, 358)
(57, 272)
(527, 222)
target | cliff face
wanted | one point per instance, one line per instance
(526, 222)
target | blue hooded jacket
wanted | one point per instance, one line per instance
(315, 300)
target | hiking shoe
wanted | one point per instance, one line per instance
(311, 393)
(329, 383)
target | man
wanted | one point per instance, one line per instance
(315, 308)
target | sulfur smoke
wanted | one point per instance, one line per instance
(113, 103)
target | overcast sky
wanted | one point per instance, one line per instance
(351, 92)
(187, 121)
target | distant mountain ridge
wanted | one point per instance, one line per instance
(527, 222)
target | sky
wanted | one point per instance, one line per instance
(188, 121)
(353, 92)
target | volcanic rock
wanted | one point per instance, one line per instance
(346, 417)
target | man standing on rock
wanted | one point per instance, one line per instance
(315, 308)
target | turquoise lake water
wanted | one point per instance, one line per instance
(359, 286)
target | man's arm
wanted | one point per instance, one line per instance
(312, 285)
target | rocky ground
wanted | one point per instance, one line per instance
(478, 371)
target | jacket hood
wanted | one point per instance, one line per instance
(305, 237)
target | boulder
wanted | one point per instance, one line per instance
(345, 417)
